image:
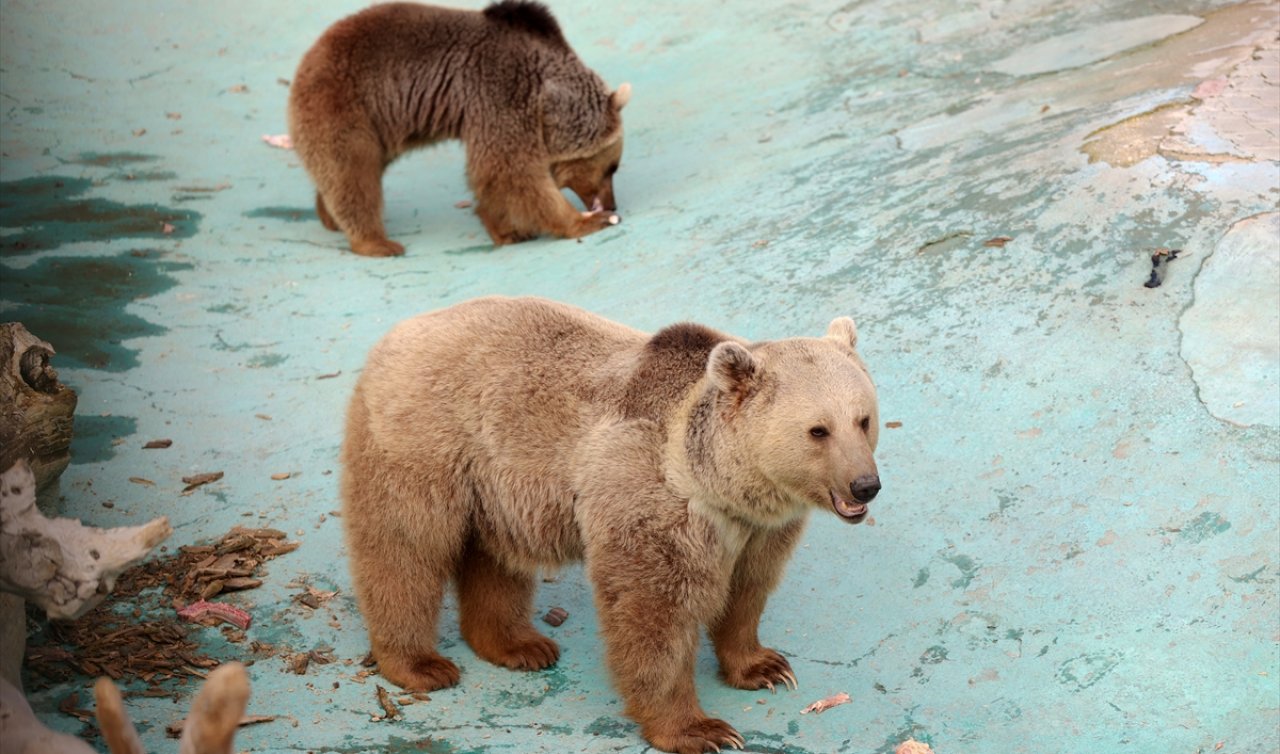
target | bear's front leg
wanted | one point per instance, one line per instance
(651, 641)
(744, 662)
(517, 200)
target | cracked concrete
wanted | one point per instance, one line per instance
(1231, 333)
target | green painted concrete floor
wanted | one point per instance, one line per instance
(1076, 548)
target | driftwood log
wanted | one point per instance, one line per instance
(37, 409)
(59, 564)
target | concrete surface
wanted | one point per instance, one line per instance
(1076, 549)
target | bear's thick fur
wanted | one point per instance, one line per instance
(500, 436)
(399, 76)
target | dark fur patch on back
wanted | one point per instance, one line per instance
(673, 359)
(525, 15)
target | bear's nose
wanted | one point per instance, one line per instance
(864, 488)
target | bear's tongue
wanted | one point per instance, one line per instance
(847, 509)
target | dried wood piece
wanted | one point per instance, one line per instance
(61, 565)
(197, 480)
(388, 706)
(555, 616)
(998, 242)
(822, 705)
(157, 444)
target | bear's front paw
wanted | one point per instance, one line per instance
(702, 735)
(377, 247)
(760, 671)
(530, 652)
(424, 673)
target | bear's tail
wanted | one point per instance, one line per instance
(528, 16)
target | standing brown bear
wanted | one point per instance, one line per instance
(500, 436)
(400, 76)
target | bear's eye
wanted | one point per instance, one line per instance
(865, 424)
(612, 169)
(818, 432)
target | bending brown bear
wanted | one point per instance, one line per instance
(400, 76)
(500, 436)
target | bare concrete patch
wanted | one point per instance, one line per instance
(1085, 46)
(1231, 334)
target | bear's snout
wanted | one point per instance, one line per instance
(864, 488)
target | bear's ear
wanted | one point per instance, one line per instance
(621, 97)
(845, 331)
(732, 368)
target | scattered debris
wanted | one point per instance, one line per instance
(462, 204)
(282, 475)
(238, 89)
(282, 81)
(822, 705)
(199, 612)
(70, 705)
(174, 730)
(173, 116)
(142, 480)
(166, 228)
(555, 616)
(1160, 259)
(892, 425)
(202, 189)
(329, 376)
(912, 746)
(280, 141)
(388, 706)
(264, 417)
(112, 640)
(998, 242)
(299, 663)
(139, 131)
(197, 480)
(154, 444)
(314, 598)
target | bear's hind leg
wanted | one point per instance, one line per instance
(323, 213)
(496, 606)
(350, 188)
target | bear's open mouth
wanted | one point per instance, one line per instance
(850, 511)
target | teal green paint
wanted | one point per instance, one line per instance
(266, 360)
(1079, 673)
(610, 726)
(145, 176)
(79, 304)
(922, 578)
(1252, 577)
(967, 567)
(48, 212)
(112, 159)
(94, 437)
(1204, 526)
(933, 655)
(287, 214)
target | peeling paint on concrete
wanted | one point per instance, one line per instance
(1231, 333)
(1080, 48)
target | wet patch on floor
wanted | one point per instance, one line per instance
(80, 304)
(95, 437)
(287, 214)
(46, 212)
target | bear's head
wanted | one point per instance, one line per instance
(787, 426)
(585, 141)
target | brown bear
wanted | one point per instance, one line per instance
(503, 435)
(400, 76)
